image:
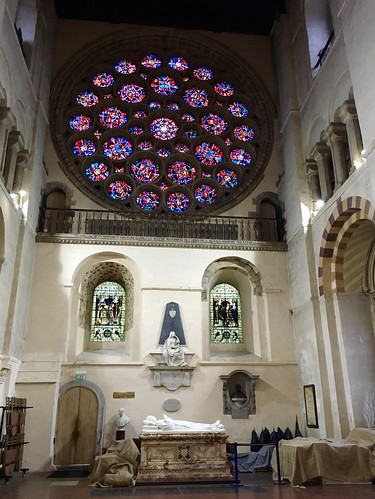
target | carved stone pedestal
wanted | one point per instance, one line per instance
(183, 457)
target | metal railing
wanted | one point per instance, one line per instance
(112, 223)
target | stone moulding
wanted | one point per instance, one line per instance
(171, 377)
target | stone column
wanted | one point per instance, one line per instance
(21, 165)
(337, 138)
(313, 179)
(348, 114)
(4, 132)
(321, 154)
(12, 150)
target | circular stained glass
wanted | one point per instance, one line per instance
(145, 145)
(97, 171)
(164, 85)
(136, 130)
(196, 97)
(191, 133)
(225, 89)
(203, 73)
(83, 147)
(244, 132)
(112, 117)
(154, 104)
(240, 157)
(164, 128)
(87, 99)
(119, 189)
(80, 123)
(117, 148)
(173, 106)
(209, 154)
(163, 152)
(145, 171)
(151, 61)
(182, 172)
(179, 118)
(178, 202)
(178, 63)
(147, 200)
(140, 114)
(187, 117)
(238, 109)
(103, 80)
(181, 147)
(125, 67)
(132, 93)
(227, 178)
(214, 124)
(205, 194)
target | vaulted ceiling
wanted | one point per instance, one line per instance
(236, 16)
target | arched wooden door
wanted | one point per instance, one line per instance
(76, 427)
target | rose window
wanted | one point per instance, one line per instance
(158, 131)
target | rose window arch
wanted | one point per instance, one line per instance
(159, 130)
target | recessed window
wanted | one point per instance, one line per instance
(225, 312)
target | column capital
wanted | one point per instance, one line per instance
(311, 167)
(348, 111)
(320, 150)
(4, 112)
(336, 132)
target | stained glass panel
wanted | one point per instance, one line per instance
(147, 200)
(164, 85)
(214, 124)
(151, 61)
(206, 194)
(203, 73)
(209, 154)
(225, 314)
(240, 157)
(225, 89)
(117, 148)
(238, 109)
(112, 117)
(145, 171)
(182, 172)
(96, 172)
(178, 63)
(132, 93)
(244, 132)
(119, 189)
(80, 123)
(178, 202)
(125, 67)
(83, 147)
(103, 80)
(196, 97)
(87, 99)
(227, 178)
(164, 128)
(108, 312)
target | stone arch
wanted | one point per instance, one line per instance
(239, 264)
(58, 186)
(104, 271)
(340, 226)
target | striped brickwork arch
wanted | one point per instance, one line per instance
(341, 225)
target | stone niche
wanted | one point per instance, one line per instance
(183, 457)
(239, 394)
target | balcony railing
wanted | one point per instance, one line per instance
(90, 223)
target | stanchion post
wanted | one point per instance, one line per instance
(237, 481)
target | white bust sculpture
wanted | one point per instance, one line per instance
(173, 354)
(122, 419)
(151, 423)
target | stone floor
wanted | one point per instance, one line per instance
(252, 486)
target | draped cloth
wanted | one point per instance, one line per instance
(345, 460)
(117, 467)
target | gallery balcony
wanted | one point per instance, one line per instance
(113, 227)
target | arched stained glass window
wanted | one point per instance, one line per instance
(225, 314)
(108, 312)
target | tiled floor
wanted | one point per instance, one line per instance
(252, 486)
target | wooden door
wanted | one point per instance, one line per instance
(76, 427)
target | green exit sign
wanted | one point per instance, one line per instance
(81, 375)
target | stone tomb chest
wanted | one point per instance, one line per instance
(181, 456)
